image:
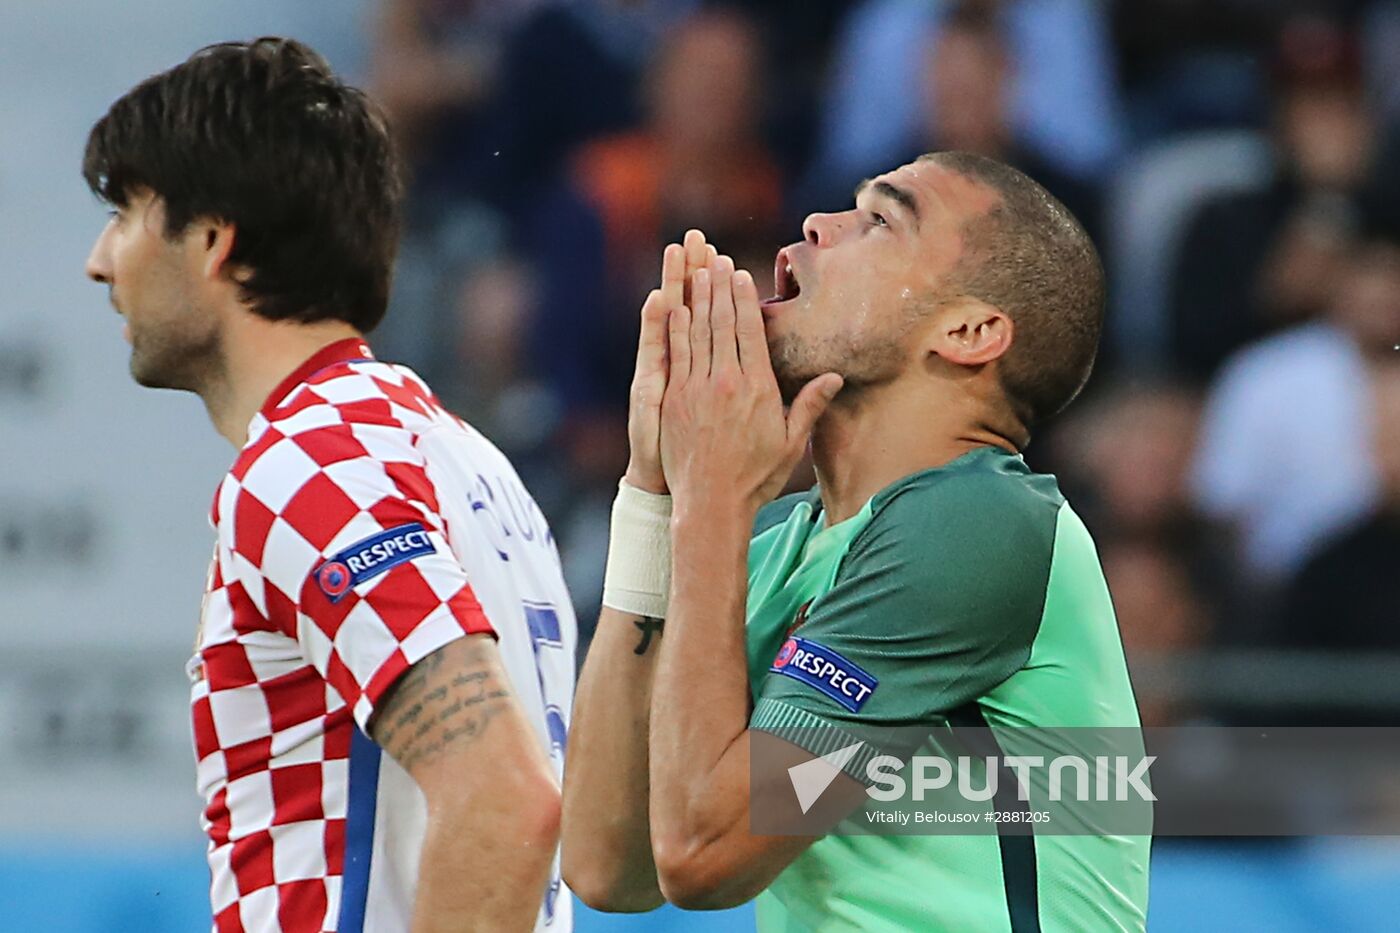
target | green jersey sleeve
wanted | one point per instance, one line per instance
(936, 601)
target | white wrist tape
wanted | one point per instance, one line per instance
(638, 578)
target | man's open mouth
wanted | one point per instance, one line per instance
(785, 284)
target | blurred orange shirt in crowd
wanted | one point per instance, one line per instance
(640, 193)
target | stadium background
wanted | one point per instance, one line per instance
(1237, 160)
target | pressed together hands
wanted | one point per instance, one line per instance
(707, 420)
(657, 788)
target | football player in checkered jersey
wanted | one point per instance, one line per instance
(382, 679)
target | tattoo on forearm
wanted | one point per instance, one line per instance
(648, 626)
(448, 697)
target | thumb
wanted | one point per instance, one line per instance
(809, 405)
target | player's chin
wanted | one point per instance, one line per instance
(153, 372)
(789, 375)
(147, 376)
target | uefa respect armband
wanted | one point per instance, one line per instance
(367, 559)
(827, 671)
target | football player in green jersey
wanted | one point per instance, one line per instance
(930, 579)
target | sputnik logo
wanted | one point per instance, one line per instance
(811, 778)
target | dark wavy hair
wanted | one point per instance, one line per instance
(263, 136)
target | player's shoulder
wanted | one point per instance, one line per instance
(354, 425)
(987, 503)
(358, 392)
(362, 407)
(962, 551)
(987, 481)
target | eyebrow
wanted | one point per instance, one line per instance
(900, 196)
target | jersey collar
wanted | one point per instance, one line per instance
(351, 348)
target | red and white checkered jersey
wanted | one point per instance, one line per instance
(361, 528)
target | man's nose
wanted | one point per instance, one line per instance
(98, 267)
(825, 229)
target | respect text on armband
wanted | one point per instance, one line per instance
(370, 557)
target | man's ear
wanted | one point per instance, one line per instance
(970, 332)
(215, 244)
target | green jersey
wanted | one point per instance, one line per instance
(967, 593)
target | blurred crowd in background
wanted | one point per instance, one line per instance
(1237, 453)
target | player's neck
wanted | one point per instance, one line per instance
(865, 443)
(258, 355)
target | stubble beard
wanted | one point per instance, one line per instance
(171, 358)
(863, 361)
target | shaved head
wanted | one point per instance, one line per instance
(1029, 257)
